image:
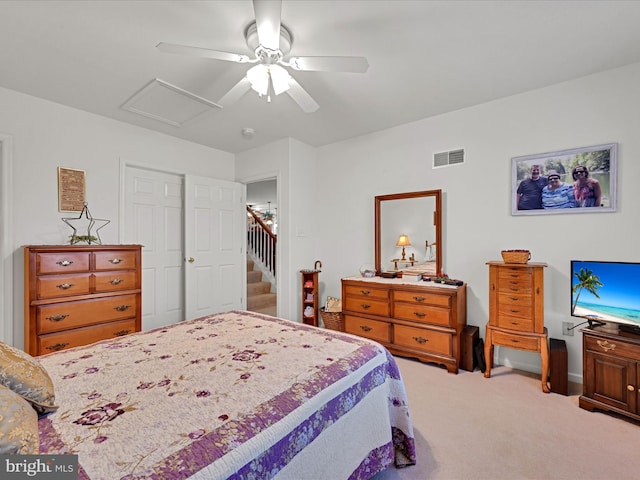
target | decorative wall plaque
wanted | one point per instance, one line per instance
(71, 190)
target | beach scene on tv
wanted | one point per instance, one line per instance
(608, 291)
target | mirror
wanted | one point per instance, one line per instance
(416, 215)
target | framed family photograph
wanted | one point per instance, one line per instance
(579, 180)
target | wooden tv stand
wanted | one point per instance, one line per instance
(611, 370)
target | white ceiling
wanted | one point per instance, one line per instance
(426, 58)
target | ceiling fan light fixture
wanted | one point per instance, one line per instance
(262, 75)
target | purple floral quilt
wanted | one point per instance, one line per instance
(234, 395)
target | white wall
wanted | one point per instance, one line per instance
(293, 164)
(594, 110)
(46, 135)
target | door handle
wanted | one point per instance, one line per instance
(191, 260)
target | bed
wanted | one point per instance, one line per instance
(234, 395)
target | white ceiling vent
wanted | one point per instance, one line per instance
(167, 103)
(445, 159)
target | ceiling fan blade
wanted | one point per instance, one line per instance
(301, 97)
(330, 64)
(233, 95)
(202, 52)
(268, 14)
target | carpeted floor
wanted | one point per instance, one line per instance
(504, 427)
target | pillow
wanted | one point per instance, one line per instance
(24, 375)
(18, 425)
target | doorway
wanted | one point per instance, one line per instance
(262, 246)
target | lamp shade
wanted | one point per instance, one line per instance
(403, 241)
(260, 75)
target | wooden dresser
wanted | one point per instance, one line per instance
(516, 312)
(75, 295)
(410, 318)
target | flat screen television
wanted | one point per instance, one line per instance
(606, 291)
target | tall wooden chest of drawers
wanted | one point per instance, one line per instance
(76, 294)
(516, 312)
(410, 318)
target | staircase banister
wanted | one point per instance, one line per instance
(264, 226)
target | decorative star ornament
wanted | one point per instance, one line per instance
(86, 223)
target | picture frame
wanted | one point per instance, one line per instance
(71, 189)
(593, 192)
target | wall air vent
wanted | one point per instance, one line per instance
(444, 159)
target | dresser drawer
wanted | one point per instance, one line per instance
(513, 285)
(114, 281)
(115, 260)
(516, 341)
(62, 262)
(54, 286)
(366, 305)
(366, 291)
(365, 327)
(54, 342)
(425, 340)
(523, 276)
(514, 300)
(614, 347)
(422, 298)
(422, 313)
(520, 324)
(63, 316)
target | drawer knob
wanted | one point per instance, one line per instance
(515, 323)
(57, 318)
(64, 263)
(606, 346)
(121, 333)
(420, 314)
(65, 286)
(419, 299)
(365, 328)
(122, 308)
(116, 281)
(365, 306)
(514, 298)
(115, 261)
(57, 346)
(420, 340)
(631, 388)
(365, 292)
(513, 310)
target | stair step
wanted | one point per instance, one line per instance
(250, 264)
(254, 276)
(271, 310)
(261, 301)
(257, 288)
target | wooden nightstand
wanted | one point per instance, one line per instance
(516, 312)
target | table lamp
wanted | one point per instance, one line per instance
(403, 241)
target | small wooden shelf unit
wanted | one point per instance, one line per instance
(79, 294)
(310, 297)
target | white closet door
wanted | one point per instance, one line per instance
(154, 218)
(215, 226)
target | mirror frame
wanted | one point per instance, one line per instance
(437, 221)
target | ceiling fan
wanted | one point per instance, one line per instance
(271, 42)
